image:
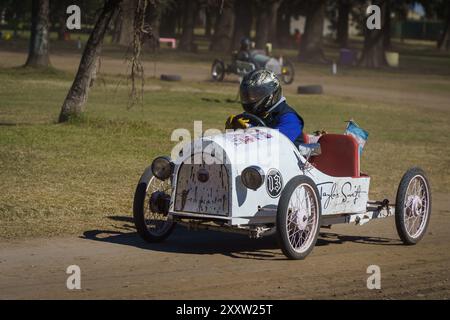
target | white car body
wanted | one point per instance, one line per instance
(224, 197)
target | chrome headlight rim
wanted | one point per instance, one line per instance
(165, 172)
(256, 172)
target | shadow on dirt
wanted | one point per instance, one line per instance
(211, 242)
(327, 238)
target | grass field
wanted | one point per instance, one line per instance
(64, 179)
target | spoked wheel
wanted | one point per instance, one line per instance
(218, 70)
(413, 206)
(298, 217)
(151, 224)
(287, 72)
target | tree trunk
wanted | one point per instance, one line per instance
(209, 13)
(262, 26)
(284, 36)
(168, 24)
(61, 27)
(153, 18)
(444, 41)
(128, 8)
(221, 41)
(189, 18)
(58, 17)
(242, 22)
(311, 48)
(117, 24)
(344, 8)
(15, 27)
(38, 55)
(273, 7)
(387, 30)
(77, 97)
(266, 24)
(373, 54)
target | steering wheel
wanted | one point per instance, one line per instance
(254, 120)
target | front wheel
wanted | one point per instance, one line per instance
(413, 206)
(298, 217)
(152, 226)
(218, 70)
(287, 72)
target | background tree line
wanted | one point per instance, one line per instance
(132, 23)
(228, 21)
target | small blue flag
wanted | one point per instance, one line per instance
(358, 133)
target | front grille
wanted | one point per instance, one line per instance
(210, 197)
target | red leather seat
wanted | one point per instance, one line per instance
(305, 138)
(339, 156)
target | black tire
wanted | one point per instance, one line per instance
(282, 217)
(288, 77)
(218, 70)
(401, 211)
(139, 202)
(170, 77)
(313, 89)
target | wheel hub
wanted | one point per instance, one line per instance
(159, 202)
(301, 219)
(416, 205)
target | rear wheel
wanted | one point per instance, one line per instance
(152, 226)
(218, 70)
(287, 72)
(298, 217)
(413, 206)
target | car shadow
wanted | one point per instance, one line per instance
(327, 238)
(204, 242)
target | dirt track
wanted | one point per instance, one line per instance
(213, 265)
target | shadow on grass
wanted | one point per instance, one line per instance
(212, 242)
(15, 124)
(236, 101)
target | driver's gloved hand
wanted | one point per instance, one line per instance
(229, 123)
(236, 123)
(242, 123)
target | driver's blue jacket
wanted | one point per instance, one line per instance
(287, 121)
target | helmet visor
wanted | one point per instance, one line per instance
(256, 108)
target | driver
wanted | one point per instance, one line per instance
(248, 55)
(261, 95)
(244, 51)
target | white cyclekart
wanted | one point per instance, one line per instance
(258, 183)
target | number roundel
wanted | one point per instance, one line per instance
(274, 183)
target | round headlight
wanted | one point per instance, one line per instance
(162, 168)
(252, 177)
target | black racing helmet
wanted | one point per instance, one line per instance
(260, 90)
(246, 44)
